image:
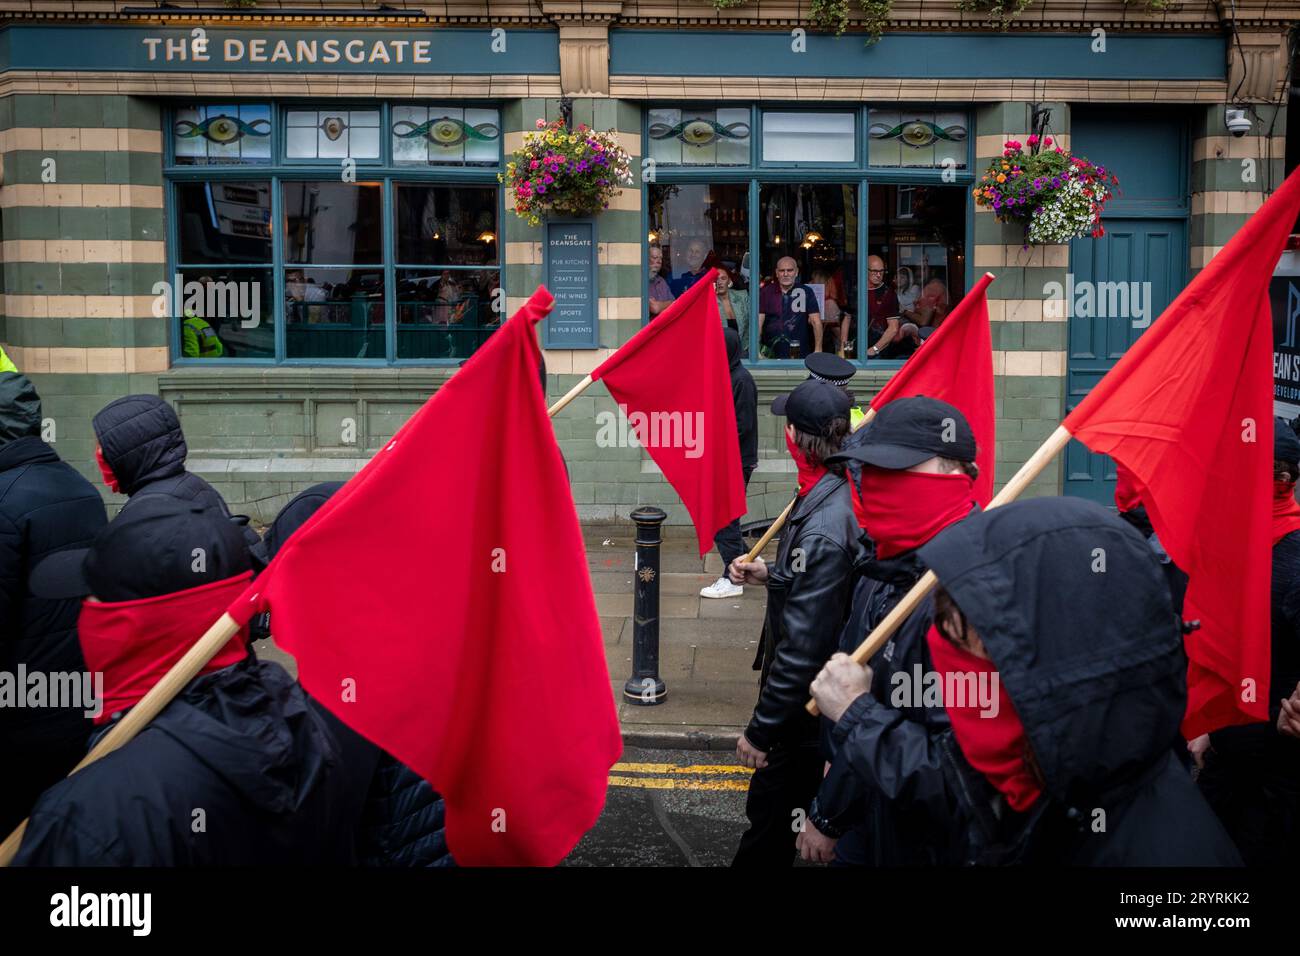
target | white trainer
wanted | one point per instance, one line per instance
(722, 588)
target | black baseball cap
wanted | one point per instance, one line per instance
(156, 545)
(812, 405)
(907, 431)
(1286, 445)
(829, 368)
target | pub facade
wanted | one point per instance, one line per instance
(291, 222)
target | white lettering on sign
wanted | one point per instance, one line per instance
(177, 49)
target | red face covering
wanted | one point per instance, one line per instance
(1286, 513)
(809, 474)
(134, 643)
(996, 746)
(110, 479)
(902, 510)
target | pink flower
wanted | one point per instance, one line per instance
(541, 124)
(1033, 140)
(534, 164)
(1048, 141)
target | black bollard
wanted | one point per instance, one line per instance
(644, 686)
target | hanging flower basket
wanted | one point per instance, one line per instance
(563, 172)
(1055, 196)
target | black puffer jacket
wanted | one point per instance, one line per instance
(143, 444)
(403, 821)
(244, 745)
(1094, 664)
(45, 506)
(882, 750)
(744, 393)
(807, 597)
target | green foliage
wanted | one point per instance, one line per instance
(834, 14)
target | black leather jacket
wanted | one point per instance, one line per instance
(884, 754)
(807, 596)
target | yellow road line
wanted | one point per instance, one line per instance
(655, 783)
(674, 768)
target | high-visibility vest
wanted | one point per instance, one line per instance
(199, 339)
(6, 364)
(856, 415)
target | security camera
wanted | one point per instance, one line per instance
(1237, 121)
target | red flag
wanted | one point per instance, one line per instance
(955, 365)
(672, 382)
(1189, 411)
(440, 605)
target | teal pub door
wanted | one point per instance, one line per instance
(1121, 283)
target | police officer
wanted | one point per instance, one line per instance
(199, 339)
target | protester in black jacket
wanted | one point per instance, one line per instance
(403, 821)
(1057, 611)
(918, 470)
(45, 506)
(240, 768)
(744, 393)
(807, 594)
(1251, 773)
(142, 452)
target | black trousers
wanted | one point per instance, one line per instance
(788, 783)
(730, 542)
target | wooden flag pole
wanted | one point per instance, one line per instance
(886, 628)
(149, 707)
(570, 396)
(781, 519)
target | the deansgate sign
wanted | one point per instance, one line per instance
(304, 50)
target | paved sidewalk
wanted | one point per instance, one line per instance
(706, 647)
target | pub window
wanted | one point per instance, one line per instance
(293, 263)
(445, 135)
(448, 274)
(845, 230)
(332, 134)
(808, 137)
(224, 258)
(924, 139)
(697, 227)
(222, 135)
(691, 137)
(923, 258)
(814, 228)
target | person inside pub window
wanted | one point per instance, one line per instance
(659, 294)
(698, 256)
(882, 314)
(789, 324)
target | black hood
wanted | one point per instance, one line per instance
(250, 724)
(292, 517)
(20, 408)
(732, 338)
(142, 440)
(1092, 659)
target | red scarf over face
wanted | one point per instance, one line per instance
(110, 479)
(996, 746)
(902, 510)
(1286, 513)
(134, 643)
(809, 474)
